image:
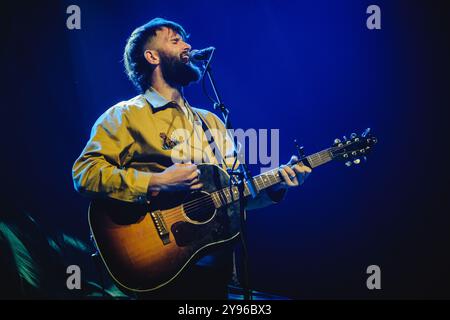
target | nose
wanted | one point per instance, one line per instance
(188, 46)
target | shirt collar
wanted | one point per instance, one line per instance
(155, 99)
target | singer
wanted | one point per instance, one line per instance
(129, 159)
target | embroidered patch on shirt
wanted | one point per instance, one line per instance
(169, 143)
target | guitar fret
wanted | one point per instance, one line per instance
(236, 193)
(256, 182)
(270, 178)
(265, 180)
(223, 194)
(319, 158)
(260, 184)
(311, 161)
(214, 198)
(323, 155)
(228, 195)
(316, 158)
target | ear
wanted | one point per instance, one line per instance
(151, 56)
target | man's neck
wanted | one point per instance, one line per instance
(168, 92)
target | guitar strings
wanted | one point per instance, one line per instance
(208, 199)
(209, 196)
(321, 156)
(175, 214)
(192, 205)
(199, 201)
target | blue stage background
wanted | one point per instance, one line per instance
(312, 70)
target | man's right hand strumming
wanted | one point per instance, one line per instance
(180, 176)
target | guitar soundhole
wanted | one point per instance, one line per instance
(199, 207)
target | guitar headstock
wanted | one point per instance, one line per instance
(354, 149)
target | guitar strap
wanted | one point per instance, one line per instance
(212, 142)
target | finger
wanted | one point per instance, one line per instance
(193, 176)
(190, 172)
(294, 159)
(193, 181)
(197, 186)
(292, 178)
(302, 169)
(291, 173)
(302, 173)
(183, 164)
(192, 167)
(286, 178)
(306, 168)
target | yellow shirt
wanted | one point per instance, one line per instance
(147, 134)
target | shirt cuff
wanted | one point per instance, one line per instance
(141, 185)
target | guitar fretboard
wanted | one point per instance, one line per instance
(265, 180)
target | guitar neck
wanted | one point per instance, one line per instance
(273, 177)
(268, 179)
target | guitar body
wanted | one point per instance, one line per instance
(146, 246)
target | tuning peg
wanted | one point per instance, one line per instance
(348, 163)
(338, 142)
(300, 150)
(365, 133)
(346, 140)
(353, 135)
(357, 161)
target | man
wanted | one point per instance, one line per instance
(130, 156)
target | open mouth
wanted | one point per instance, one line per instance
(184, 57)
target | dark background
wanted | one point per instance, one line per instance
(311, 69)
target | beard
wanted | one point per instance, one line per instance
(178, 73)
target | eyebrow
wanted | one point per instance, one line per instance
(175, 36)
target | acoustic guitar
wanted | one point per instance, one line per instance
(146, 246)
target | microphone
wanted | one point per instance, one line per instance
(202, 54)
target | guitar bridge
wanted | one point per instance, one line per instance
(160, 225)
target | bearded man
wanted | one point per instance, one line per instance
(129, 156)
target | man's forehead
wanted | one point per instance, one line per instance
(167, 33)
(161, 37)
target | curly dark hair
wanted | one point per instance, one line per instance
(137, 68)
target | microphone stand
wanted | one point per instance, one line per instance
(244, 178)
